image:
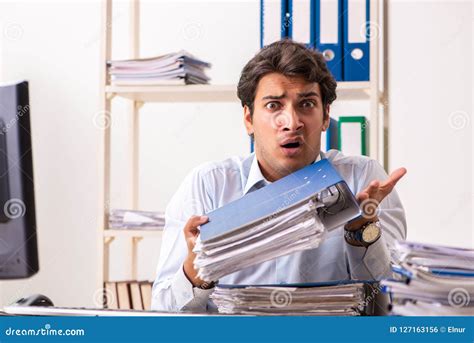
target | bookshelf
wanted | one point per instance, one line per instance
(139, 95)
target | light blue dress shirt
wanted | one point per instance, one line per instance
(215, 184)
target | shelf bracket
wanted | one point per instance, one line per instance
(108, 240)
(137, 239)
(110, 96)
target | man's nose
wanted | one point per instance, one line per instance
(293, 122)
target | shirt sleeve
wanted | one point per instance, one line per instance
(374, 262)
(172, 291)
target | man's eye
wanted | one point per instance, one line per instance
(308, 104)
(272, 105)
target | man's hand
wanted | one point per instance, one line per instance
(191, 232)
(372, 196)
(378, 190)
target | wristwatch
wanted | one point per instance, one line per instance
(367, 235)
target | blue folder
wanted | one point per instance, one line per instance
(332, 137)
(301, 23)
(356, 40)
(328, 39)
(283, 194)
(273, 28)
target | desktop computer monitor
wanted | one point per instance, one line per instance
(18, 243)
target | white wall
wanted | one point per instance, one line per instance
(431, 95)
(430, 65)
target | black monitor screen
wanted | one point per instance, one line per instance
(18, 244)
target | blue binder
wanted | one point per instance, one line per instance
(269, 201)
(301, 21)
(332, 137)
(329, 138)
(356, 40)
(274, 21)
(327, 34)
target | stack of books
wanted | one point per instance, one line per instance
(177, 68)
(128, 295)
(289, 215)
(433, 280)
(120, 219)
(349, 298)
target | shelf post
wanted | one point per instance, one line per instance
(134, 106)
(102, 121)
(134, 259)
(385, 101)
(374, 121)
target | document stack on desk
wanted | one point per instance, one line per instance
(141, 220)
(289, 215)
(434, 280)
(172, 69)
(312, 299)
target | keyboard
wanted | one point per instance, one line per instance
(95, 312)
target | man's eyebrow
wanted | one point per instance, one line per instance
(308, 94)
(274, 97)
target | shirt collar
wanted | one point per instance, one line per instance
(256, 178)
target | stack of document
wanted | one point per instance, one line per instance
(433, 280)
(172, 69)
(297, 300)
(142, 220)
(289, 215)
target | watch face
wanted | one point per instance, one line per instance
(370, 233)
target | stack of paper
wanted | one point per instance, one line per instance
(434, 280)
(289, 215)
(142, 220)
(297, 300)
(294, 230)
(172, 69)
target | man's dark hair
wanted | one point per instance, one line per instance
(292, 60)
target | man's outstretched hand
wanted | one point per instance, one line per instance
(372, 196)
(378, 190)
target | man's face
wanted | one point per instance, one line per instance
(287, 123)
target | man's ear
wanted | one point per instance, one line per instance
(248, 120)
(326, 118)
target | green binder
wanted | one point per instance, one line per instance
(347, 138)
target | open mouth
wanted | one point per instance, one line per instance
(291, 145)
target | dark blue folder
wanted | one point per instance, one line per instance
(283, 194)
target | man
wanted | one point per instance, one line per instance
(286, 91)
